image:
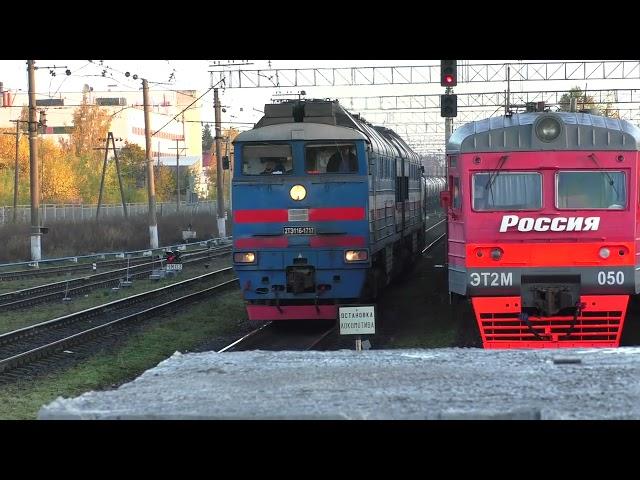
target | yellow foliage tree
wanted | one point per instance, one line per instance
(90, 126)
(8, 150)
(226, 150)
(165, 183)
(59, 181)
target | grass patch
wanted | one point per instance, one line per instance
(222, 315)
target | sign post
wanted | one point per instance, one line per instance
(357, 320)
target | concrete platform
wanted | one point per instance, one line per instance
(375, 384)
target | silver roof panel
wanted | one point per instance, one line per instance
(580, 131)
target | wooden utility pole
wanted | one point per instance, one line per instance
(153, 222)
(220, 198)
(36, 232)
(104, 171)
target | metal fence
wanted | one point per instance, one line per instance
(80, 212)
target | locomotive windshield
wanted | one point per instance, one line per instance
(267, 160)
(596, 189)
(507, 191)
(334, 158)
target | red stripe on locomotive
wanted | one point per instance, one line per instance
(549, 254)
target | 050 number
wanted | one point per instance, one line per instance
(611, 278)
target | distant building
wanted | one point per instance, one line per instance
(128, 122)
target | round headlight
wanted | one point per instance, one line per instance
(298, 192)
(604, 252)
(548, 129)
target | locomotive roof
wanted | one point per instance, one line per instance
(579, 131)
(323, 120)
(299, 130)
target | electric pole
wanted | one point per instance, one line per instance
(115, 154)
(153, 223)
(104, 171)
(221, 220)
(36, 233)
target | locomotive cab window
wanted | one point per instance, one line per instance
(599, 189)
(507, 191)
(333, 158)
(267, 160)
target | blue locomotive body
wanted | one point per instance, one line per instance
(326, 208)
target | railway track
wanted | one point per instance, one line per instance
(290, 335)
(35, 342)
(79, 268)
(58, 290)
(435, 233)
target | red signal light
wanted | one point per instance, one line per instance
(448, 73)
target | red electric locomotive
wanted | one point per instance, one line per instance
(543, 230)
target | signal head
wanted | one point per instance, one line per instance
(448, 73)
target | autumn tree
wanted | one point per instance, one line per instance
(90, 126)
(165, 183)
(132, 161)
(207, 139)
(585, 102)
(227, 150)
(7, 165)
(59, 182)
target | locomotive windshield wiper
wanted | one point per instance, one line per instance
(593, 157)
(496, 172)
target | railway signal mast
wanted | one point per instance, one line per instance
(448, 101)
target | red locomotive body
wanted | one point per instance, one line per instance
(543, 227)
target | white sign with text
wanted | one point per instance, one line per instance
(360, 320)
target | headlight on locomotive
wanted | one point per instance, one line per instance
(548, 129)
(298, 192)
(356, 256)
(244, 257)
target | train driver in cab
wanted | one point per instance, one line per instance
(343, 161)
(273, 166)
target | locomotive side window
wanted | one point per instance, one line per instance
(507, 191)
(267, 160)
(599, 189)
(334, 158)
(457, 196)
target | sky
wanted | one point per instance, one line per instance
(245, 105)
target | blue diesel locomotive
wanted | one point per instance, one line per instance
(327, 208)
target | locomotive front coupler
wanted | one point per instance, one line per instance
(550, 295)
